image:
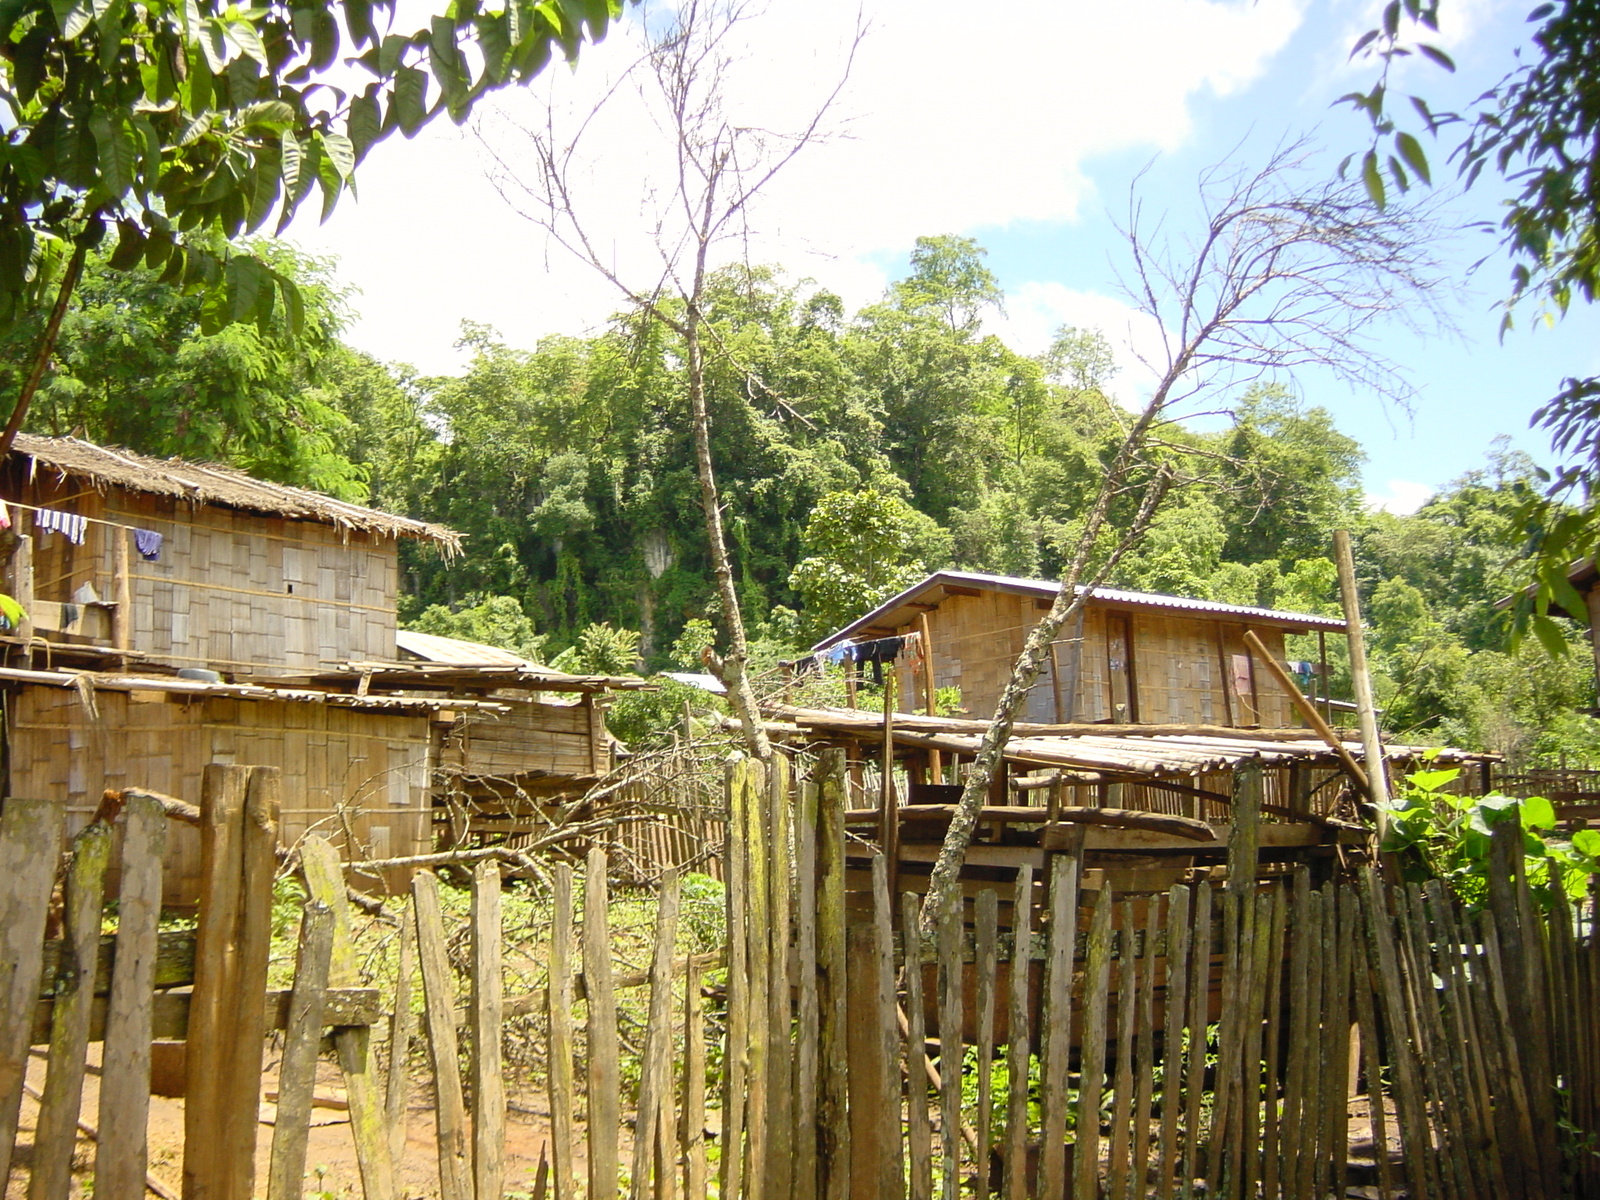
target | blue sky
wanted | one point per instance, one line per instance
(1022, 135)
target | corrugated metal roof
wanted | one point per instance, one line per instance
(885, 614)
(434, 648)
(1118, 753)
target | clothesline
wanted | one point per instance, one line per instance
(876, 652)
(72, 526)
(34, 508)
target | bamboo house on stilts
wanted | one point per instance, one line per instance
(179, 614)
(1130, 745)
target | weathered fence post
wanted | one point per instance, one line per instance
(57, 1130)
(227, 1015)
(122, 1154)
(439, 1000)
(604, 1071)
(325, 883)
(488, 1008)
(833, 1126)
(30, 849)
(297, 1074)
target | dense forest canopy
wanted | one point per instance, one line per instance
(855, 451)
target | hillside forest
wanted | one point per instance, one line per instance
(855, 452)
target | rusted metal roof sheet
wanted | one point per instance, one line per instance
(1123, 754)
(433, 648)
(897, 611)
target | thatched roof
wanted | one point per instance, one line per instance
(208, 483)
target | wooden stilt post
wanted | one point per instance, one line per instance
(930, 696)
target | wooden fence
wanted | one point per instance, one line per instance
(205, 985)
(1241, 1037)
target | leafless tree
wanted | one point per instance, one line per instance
(719, 168)
(1290, 271)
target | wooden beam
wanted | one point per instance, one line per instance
(342, 1007)
(1309, 712)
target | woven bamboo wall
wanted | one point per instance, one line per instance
(533, 738)
(374, 765)
(235, 591)
(1183, 669)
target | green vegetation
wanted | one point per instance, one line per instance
(855, 452)
(1447, 837)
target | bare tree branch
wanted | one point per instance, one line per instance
(1284, 275)
(719, 168)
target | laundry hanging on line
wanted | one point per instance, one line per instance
(71, 525)
(148, 543)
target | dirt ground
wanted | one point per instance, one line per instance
(332, 1173)
(331, 1170)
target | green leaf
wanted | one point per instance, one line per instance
(117, 153)
(1587, 841)
(410, 90)
(243, 36)
(1372, 177)
(341, 153)
(332, 183)
(358, 19)
(130, 246)
(365, 126)
(1549, 635)
(268, 114)
(213, 40)
(1538, 813)
(72, 17)
(245, 277)
(263, 189)
(294, 308)
(197, 128)
(1436, 55)
(291, 158)
(1432, 781)
(324, 39)
(1411, 151)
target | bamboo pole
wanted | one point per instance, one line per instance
(889, 834)
(1307, 710)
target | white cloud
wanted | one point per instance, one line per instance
(1400, 496)
(953, 121)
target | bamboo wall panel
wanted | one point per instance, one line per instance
(235, 591)
(533, 738)
(372, 766)
(1183, 667)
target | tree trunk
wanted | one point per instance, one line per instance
(47, 346)
(732, 667)
(944, 885)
